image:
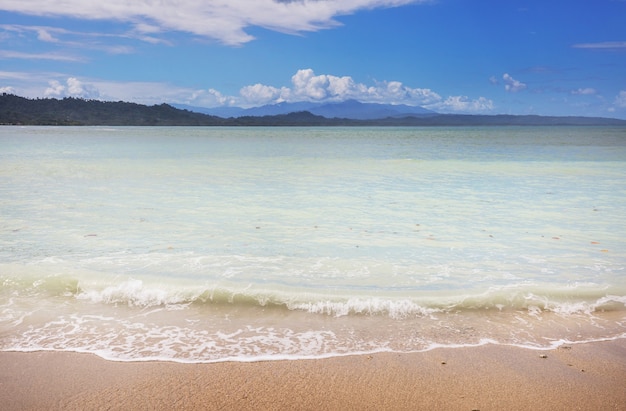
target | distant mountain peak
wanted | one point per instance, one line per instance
(357, 110)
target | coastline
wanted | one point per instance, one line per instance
(488, 377)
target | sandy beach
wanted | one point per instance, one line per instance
(588, 376)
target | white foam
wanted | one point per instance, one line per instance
(133, 293)
(396, 309)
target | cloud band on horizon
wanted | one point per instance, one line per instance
(306, 86)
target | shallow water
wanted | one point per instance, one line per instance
(210, 244)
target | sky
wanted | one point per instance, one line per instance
(546, 57)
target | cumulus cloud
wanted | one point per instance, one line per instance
(56, 89)
(395, 92)
(511, 85)
(308, 86)
(72, 88)
(261, 94)
(206, 98)
(7, 90)
(223, 20)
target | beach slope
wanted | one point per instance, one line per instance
(581, 376)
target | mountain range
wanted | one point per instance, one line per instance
(349, 109)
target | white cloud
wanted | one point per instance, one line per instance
(31, 84)
(44, 35)
(584, 91)
(8, 90)
(223, 20)
(422, 96)
(511, 85)
(397, 93)
(206, 98)
(462, 104)
(86, 40)
(607, 45)
(261, 94)
(307, 86)
(72, 88)
(16, 76)
(8, 54)
(56, 89)
(77, 88)
(620, 99)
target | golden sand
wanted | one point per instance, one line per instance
(578, 377)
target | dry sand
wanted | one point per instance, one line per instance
(577, 377)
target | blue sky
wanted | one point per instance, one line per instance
(548, 57)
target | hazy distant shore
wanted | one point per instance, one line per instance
(16, 110)
(580, 376)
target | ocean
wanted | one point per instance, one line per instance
(245, 244)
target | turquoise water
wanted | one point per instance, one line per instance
(213, 244)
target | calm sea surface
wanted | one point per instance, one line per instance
(214, 244)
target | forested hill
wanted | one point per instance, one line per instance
(74, 111)
(15, 110)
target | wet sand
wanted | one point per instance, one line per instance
(575, 377)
